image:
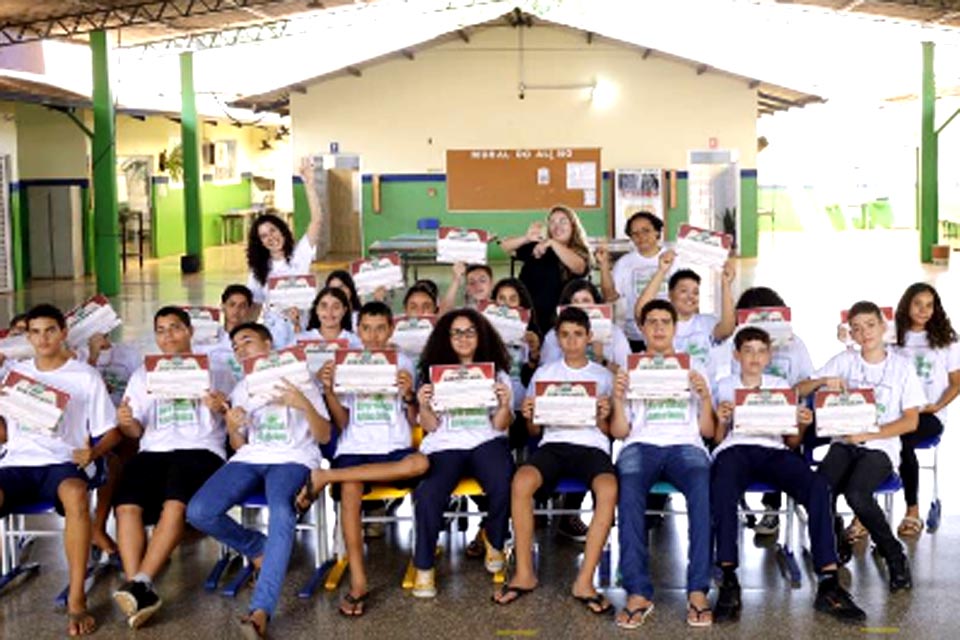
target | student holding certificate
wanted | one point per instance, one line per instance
(479, 285)
(375, 446)
(582, 453)
(43, 464)
(468, 442)
(856, 465)
(341, 279)
(182, 443)
(276, 447)
(741, 459)
(612, 353)
(236, 303)
(330, 319)
(421, 299)
(663, 439)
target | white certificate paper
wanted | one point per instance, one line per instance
(35, 406)
(703, 247)
(370, 275)
(774, 320)
(365, 372)
(510, 322)
(265, 374)
(291, 292)
(581, 175)
(463, 386)
(765, 412)
(206, 324)
(462, 245)
(15, 347)
(657, 377)
(565, 404)
(846, 413)
(320, 352)
(410, 334)
(184, 376)
(92, 317)
(601, 320)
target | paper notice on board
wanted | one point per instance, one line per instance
(589, 197)
(581, 175)
(543, 176)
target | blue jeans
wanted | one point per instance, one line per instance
(230, 485)
(688, 469)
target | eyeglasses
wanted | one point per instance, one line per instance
(458, 334)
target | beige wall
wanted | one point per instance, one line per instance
(49, 144)
(402, 115)
(8, 137)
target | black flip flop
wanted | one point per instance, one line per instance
(506, 590)
(596, 599)
(357, 605)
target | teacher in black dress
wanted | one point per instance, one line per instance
(551, 257)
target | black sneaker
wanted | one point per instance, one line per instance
(835, 601)
(769, 525)
(729, 603)
(573, 527)
(899, 572)
(137, 601)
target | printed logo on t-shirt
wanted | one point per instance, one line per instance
(666, 411)
(924, 366)
(373, 409)
(274, 427)
(180, 412)
(779, 367)
(469, 419)
(115, 379)
(641, 278)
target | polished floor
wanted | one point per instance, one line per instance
(817, 276)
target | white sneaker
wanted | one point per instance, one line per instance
(425, 584)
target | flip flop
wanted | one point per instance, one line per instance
(910, 527)
(697, 617)
(357, 605)
(518, 592)
(635, 617)
(596, 599)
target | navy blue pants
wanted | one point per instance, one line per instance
(492, 466)
(737, 467)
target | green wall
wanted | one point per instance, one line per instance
(748, 214)
(18, 236)
(169, 226)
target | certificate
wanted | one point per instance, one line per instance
(658, 377)
(383, 271)
(765, 412)
(320, 352)
(206, 324)
(291, 292)
(365, 372)
(846, 413)
(565, 404)
(601, 320)
(184, 376)
(37, 407)
(16, 347)
(92, 317)
(510, 322)
(462, 245)
(265, 374)
(703, 247)
(410, 334)
(774, 320)
(889, 334)
(457, 386)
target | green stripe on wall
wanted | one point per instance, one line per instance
(88, 232)
(18, 238)
(677, 215)
(169, 226)
(748, 217)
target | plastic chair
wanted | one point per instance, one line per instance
(933, 516)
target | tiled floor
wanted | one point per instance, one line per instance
(816, 275)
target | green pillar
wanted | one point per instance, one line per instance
(190, 142)
(106, 214)
(929, 185)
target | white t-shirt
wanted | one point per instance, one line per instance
(616, 350)
(115, 365)
(895, 385)
(725, 392)
(278, 434)
(89, 414)
(631, 275)
(464, 428)
(225, 369)
(933, 366)
(169, 425)
(378, 423)
(695, 337)
(584, 436)
(790, 361)
(666, 423)
(298, 265)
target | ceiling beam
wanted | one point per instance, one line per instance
(464, 35)
(407, 53)
(702, 69)
(646, 54)
(354, 71)
(753, 84)
(769, 97)
(589, 37)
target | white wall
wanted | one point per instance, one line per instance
(402, 115)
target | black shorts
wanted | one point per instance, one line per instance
(557, 461)
(151, 478)
(25, 486)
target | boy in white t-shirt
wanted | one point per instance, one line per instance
(236, 305)
(276, 447)
(663, 439)
(582, 453)
(856, 465)
(741, 459)
(41, 466)
(182, 443)
(479, 286)
(375, 446)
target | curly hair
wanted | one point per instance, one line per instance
(346, 322)
(346, 279)
(258, 256)
(940, 332)
(439, 347)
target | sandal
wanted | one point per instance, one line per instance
(635, 617)
(697, 617)
(855, 531)
(80, 623)
(357, 605)
(910, 527)
(508, 590)
(595, 604)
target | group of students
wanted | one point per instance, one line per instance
(179, 462)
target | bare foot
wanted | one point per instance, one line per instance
(310, 491)
(104, 542)
(80, 623)
(257, 621)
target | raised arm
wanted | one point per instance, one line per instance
(534, 233)
(313, 201)
(728, 318)
(575, 262)
(449, 300)
(619, 425)
(339, 414)
(707, 419)
(664, 265)
(607, 285)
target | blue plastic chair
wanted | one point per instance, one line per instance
(428, 224)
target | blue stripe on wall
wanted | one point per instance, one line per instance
(53, 182)
(160, 179)
(748, 173)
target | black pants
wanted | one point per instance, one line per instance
(929, 427)
(856, 472)
(774, 501)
